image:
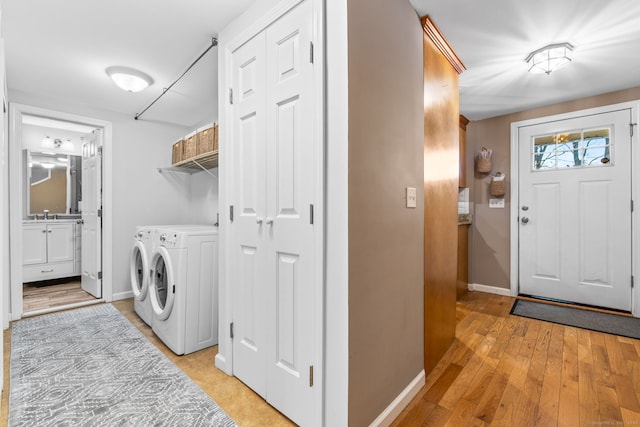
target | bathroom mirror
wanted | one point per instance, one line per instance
(53, 182)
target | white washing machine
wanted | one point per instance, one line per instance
(139, 267)
(184, 288)
(139, 270)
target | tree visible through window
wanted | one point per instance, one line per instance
(572, 149)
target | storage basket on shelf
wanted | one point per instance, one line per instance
(207, 139)
(177, 152)
(190, 145)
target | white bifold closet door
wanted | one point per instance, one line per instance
(274, 173)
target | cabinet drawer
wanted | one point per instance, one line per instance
(32, 273)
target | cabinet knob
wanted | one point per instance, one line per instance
(525, 220)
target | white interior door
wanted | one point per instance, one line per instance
(92, 214)
(248, 169)
(291, 193)
(274, 172)
(575, 210)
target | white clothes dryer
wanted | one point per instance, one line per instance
(139, 267)
(184, 288)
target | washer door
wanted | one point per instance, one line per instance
(139, 268)
(162, 284)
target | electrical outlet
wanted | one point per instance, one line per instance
(412, 197)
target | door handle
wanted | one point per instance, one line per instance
(269, 221)
(81, 221)
(259, 220)
(525, 220)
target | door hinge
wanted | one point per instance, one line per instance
(311, 52)
(99, 275)
(311, 376)
(100, 150)
(173, 289)
(231, 213)
(231, 96)
(231, 330)
(99, 213)
(632, 284)
(631, 125)
(631, 205)
(311, 214)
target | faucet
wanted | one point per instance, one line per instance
(46, 214)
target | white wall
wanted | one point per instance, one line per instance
(336, 354)
(204, 197)
(141, 195)
(4, 207)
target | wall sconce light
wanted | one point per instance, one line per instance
(129, 79)
(550, 58)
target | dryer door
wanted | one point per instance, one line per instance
(139, 269)
(162, 283)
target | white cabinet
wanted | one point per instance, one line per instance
(274, 256)
(49, 250)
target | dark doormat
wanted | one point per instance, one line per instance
(593, 320)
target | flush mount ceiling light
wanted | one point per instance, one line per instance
(129, 79)
(550, 58)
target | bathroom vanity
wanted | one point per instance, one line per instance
(50, 249)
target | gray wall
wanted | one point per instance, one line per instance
(489, 246)
(385, 238)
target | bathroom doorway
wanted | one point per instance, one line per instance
(57, 199)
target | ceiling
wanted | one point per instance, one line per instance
(60, 49)
(493, 37)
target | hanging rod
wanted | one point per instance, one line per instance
(214, 43)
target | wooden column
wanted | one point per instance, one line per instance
(441, 179)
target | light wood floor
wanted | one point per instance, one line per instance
(240, 402)
(35, 296)
(504, 370)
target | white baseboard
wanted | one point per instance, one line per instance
(490, 289)
(122, 295)
(399, 403)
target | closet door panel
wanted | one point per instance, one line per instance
(291, 190)
(247, 256)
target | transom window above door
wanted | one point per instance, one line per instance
(572, 149)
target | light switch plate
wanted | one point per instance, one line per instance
(412, 197)
(496, 203)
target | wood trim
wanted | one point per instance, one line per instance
(434, 34)
(464, 122)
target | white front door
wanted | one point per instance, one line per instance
(275, 171)
(575, 210)
(92, 214)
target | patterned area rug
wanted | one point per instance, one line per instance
(92, 367)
